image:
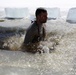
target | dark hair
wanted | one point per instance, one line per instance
(39, 11)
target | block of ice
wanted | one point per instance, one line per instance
(16, 12)
(53, 13)
(71, 17)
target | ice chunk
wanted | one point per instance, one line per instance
(16, 12)
(53, 13)
(71, 17)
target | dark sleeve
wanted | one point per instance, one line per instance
(29, 36)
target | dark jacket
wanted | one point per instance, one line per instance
(34, 34)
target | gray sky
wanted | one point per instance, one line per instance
(62, 4)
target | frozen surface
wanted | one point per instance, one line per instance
(61, 61)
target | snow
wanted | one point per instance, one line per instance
(61, 61)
